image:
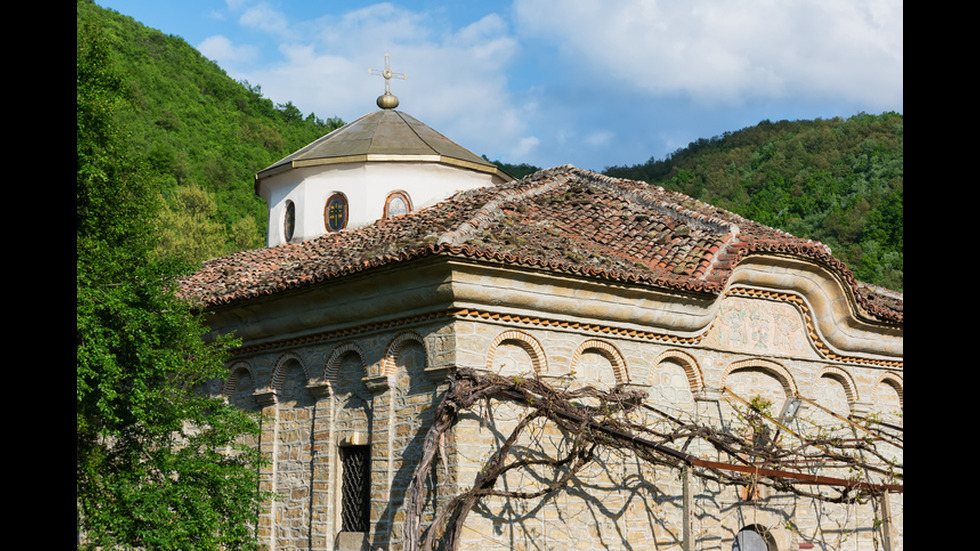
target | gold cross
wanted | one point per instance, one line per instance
(388, 74)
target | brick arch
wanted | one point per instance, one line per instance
(331, 367)
(775, 369)
(394, 346)
(691, 368)
(610, 352)
(842, 377)
(525, 341)
(279, 372)
(893, 380)
(228, 389)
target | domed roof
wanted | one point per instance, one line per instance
(385, 135)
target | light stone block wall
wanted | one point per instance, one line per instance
(756, 348)
(384, 385)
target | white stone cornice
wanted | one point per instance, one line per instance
(837, 319)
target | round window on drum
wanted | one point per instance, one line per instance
(289, 221)
(335, 213)
(397, 204)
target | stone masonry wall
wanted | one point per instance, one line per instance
(381, 387)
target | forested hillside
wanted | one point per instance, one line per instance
(200, 136)
(836, 181)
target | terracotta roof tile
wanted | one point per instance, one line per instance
(561, 219)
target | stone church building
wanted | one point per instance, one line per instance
(395, 257)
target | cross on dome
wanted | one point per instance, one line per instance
(388, 100)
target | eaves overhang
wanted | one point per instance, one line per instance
(383, 136)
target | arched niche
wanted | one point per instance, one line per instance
(516, 353)
(345, 368)
(239, 387)
(760, 377)
(290, 379)
(835, 390)
(888, 393)
(599, 361)
(676, 377)
(344, 375)
(291, 438)
(405, 358)
(753, 525)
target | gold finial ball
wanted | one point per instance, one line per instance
(387, 101)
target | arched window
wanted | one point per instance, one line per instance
(289, 221)
(750, 539)
(335, 213)
(397, 204)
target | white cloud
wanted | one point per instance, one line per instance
(487, 43)
(599, 138)
(730, 50)
(221, 50)
(457, 77)
(525, 147)
(366, 29)
(264, 18)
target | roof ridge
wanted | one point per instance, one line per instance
(696, 250)
(731, 231)
(492, 211)
(415, 131)
(662, 204)
(640, 193)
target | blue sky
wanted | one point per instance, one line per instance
(593, 83)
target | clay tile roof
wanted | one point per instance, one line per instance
(562, 219)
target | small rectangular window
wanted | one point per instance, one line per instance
(356, 488)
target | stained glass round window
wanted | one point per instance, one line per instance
(397, 205)
(289, 222)
(335, 213)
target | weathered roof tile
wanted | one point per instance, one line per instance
(561, 219)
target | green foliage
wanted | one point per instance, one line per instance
(836, 181)
(517, 171)
(761, 405)
(189, 230)
(197, 128)
(158, 462)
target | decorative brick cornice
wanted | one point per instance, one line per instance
(598, 329)
(293, 342)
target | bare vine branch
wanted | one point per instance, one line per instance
(619, 419)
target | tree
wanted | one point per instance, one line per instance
(158, 461)
(188, 229)
(832, 180)
(196, 126)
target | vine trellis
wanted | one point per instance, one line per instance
(593, 419)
